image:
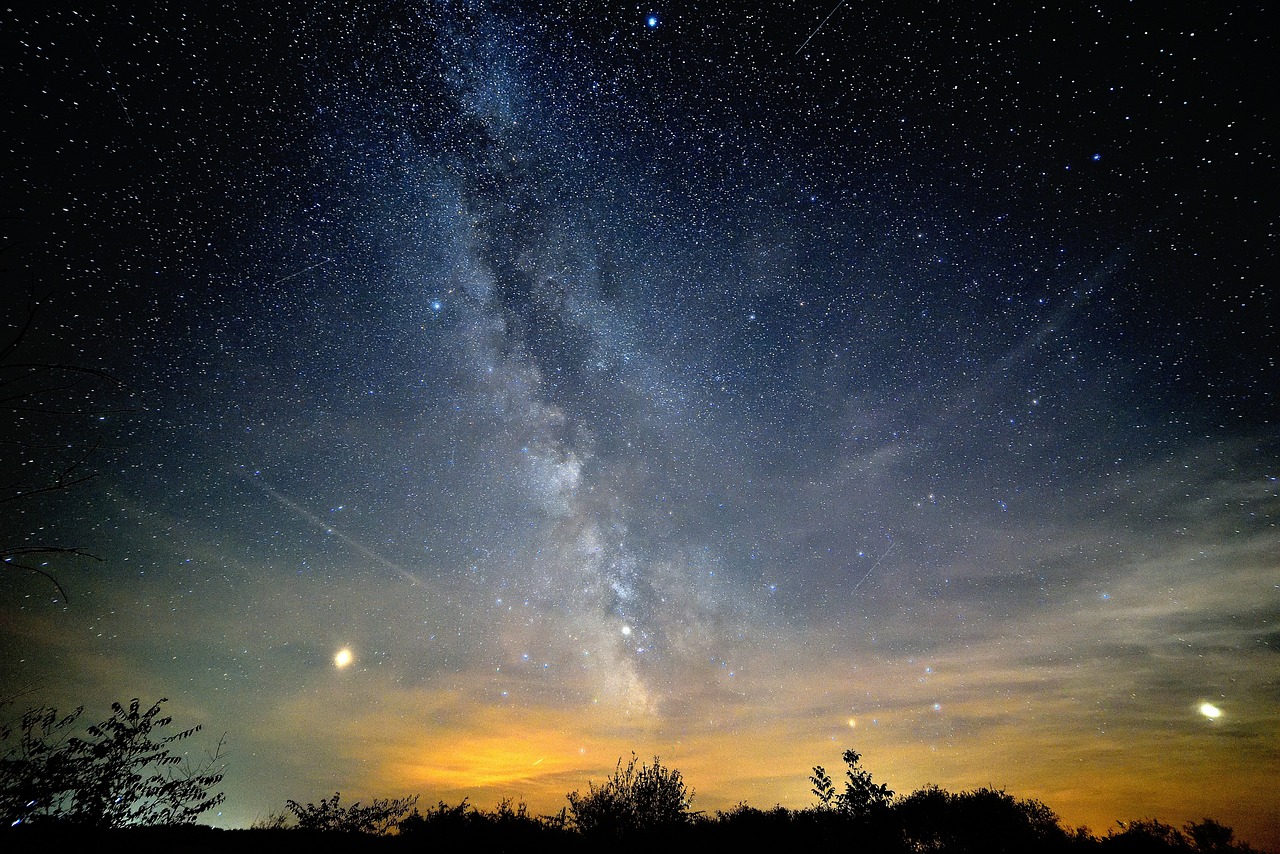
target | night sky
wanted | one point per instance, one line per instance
(737, 383)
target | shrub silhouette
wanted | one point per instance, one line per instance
(509, 827)
(636, 798)
(120, 775)
(379, 817)
(440, 820)
(932, 819)
(1210, 837)
(1152, 835)
(778, 829)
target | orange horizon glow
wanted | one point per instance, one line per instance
(446, 745)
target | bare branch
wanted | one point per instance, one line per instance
(26, 325)
(75, 369)
(62, 481)
(49, 389)
(7, 556)
(40, 571)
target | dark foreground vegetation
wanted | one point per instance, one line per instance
(118, 785)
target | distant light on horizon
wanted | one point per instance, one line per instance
(1209, 710)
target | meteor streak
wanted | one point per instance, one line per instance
(815, 32)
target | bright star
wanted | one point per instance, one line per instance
(1210, 711)
(652, 22)
(343, 658)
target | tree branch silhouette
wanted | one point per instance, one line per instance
(39, 397)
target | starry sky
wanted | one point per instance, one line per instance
(737, 383)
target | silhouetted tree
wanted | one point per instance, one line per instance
(635, 798)
(1209, 837)
(121, 774)
(861, 796)
(924, 817)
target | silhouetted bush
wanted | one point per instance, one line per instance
(932, 819)
(636, 798)
(120, 774)
(441, 819)
(509, 827)
(747, 828)
(1209, 837)
(1155, 837)
(379, 817)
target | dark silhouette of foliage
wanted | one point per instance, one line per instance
(510, 827)
(440, 820)
(274, 820)
(861, 796)
(1145, 835)
(823, 789)
(776, 829)
(639, 807)
(647, 806)
(512, 814)
(379, 817)
(121, 774)
(1156, 837)
(932, 819)
(1208, 836)
(636, 798)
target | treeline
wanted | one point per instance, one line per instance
(647, 805)
(118, 779)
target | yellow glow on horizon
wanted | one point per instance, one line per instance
(453, 741)
(343, 658)
(471, 763)
(1210, 711)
